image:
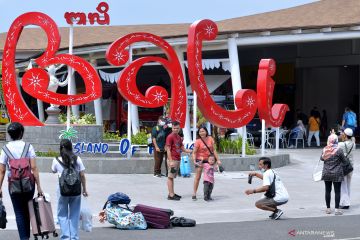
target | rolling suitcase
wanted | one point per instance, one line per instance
(155, 217)
(41, 218)
(185, 168)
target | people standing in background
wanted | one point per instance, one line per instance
(314, 128)
(348, 146)
(332, 173)
(158, 136)
(349, 119)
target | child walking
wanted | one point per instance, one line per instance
(209, 169)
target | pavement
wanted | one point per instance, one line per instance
(230, 209)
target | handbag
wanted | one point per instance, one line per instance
(270, 193)
(85, 216)
(182, 222)
(317, 174)
(347, 167)
(221, 168)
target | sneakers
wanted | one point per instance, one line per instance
(272, 215)
(175, 198)
(328, 211)
(278, 214)
(338, 212)
(178, 196)
(157, 175)
(344, 207)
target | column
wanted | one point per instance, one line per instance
(97, 102)
(71, 83)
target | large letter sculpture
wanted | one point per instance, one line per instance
(273, 115)
(155, 96)
(36, 81)
(245, 100)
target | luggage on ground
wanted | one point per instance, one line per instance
(41, 218)
(155, 217)
(185, 168)
(123, 218)
(182, 222)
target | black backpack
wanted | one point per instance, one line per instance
(69, 181)
(3, 220)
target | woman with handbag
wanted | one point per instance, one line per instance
(332, 173)
(204, 147)
(348, 146)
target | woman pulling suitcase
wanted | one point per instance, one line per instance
(21, 183)
(71, 170)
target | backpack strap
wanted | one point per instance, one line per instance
(26, 150)
(60, 162)
(7, 152)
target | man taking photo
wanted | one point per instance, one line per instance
(272, 197)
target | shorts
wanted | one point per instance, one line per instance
(174, 173)
(269, 202)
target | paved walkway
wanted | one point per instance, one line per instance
(230, 204)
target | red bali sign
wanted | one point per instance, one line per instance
(155, 96)
(35, 81)
(245, 100)
(273, 115)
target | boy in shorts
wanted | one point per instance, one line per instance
(174, 147)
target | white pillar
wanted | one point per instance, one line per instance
(186, 130)
(97, 102)
(194, 115)
(71, 83)
(262, 137)
(277, 140)
(135, 119)
(40, 106)
(234, 68)
(244, 140)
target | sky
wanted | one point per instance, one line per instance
(125, 12)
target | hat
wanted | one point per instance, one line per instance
(348, 132)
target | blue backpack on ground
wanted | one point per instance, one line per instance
(185, 168)
(119, 198)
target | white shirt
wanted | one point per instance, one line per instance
(57, 168)
(280, 190)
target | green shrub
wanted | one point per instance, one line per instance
(83, 120)
(234, 147)
(115, 136)
(140, 138)
(49, 153)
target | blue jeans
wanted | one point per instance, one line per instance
(21, 209)
(69, 216)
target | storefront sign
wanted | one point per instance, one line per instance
(36, 80)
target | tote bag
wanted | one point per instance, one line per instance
(317, 173)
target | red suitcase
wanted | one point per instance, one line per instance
(155, 217)
(41, 218)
